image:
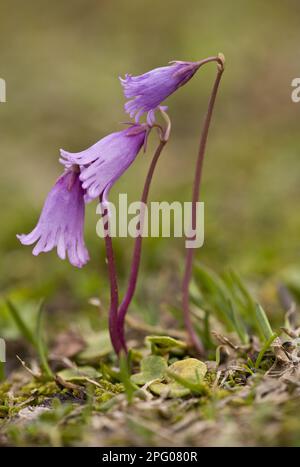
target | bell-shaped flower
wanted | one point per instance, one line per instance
(61, 222)
(146, 92)
(104, 162)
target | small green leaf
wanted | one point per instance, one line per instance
(191, 369)
(165, 344)
(98, 345)
(152, 367)
(171, 390)
(79, 374)
(188, 375)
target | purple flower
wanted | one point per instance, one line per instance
(61, 221)
(104, 162)
(147, 91)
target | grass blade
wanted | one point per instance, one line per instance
(215, 294)
(129, 387)
(263, 323)
(2, 371)
(239, 326)
(22, 326)
(41, 345)
(264, 349)
(241, 294)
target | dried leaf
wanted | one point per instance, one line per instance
(68, 344)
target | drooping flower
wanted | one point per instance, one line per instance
(147, 91)
(61, 221)
(104, 162)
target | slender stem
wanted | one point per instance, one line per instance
(216, 58)
(136, 258)
(196, 191)
(114, 294)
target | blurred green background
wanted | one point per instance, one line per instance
(61, 61)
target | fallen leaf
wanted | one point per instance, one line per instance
(68, 344)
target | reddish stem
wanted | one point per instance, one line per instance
(114, 294)
(196, 191)
(136, 258)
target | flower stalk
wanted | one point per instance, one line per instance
(196, 192)
(114, 293)
(136, 258)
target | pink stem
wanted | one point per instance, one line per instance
(136, 252)
(114, 295)
(196, 192)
